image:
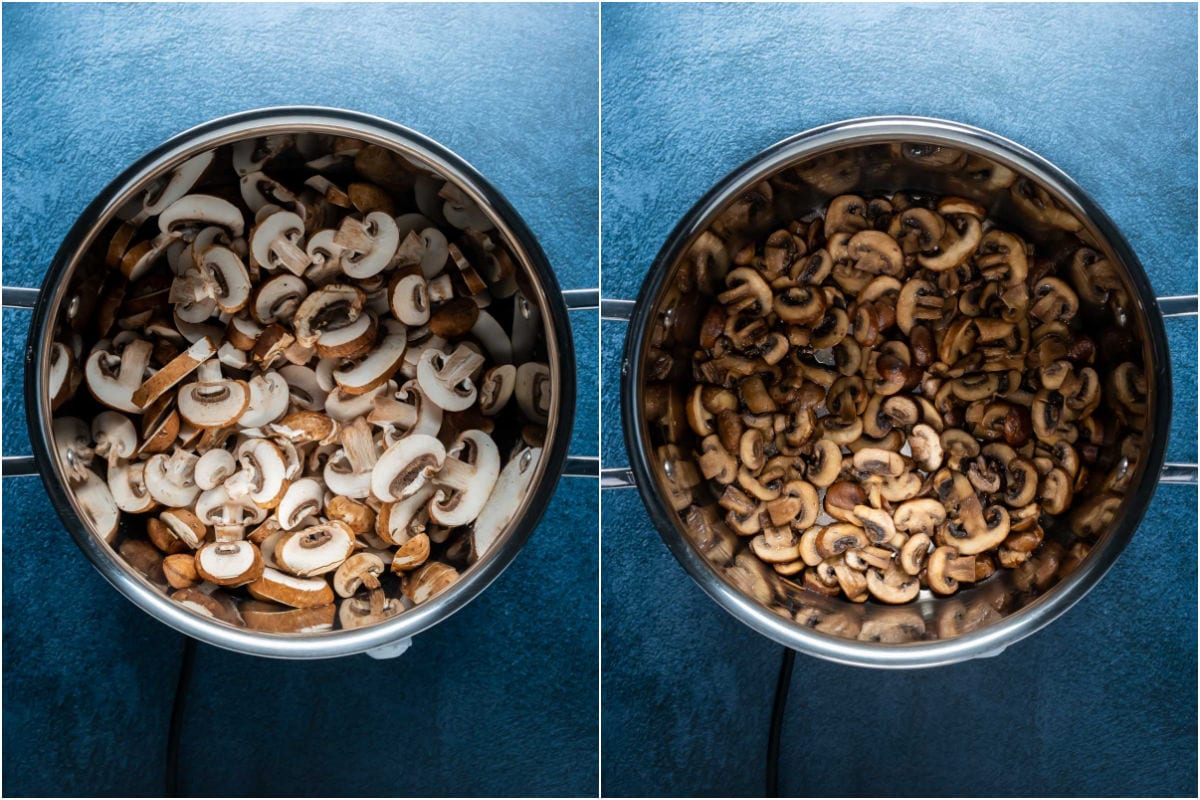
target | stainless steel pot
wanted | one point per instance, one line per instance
(873, 155)
(67, 301)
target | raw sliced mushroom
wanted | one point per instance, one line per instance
(279, 587)
(466, 478)
(406, 466)
(315, 550)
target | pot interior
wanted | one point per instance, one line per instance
(87, 299)
(791, 183)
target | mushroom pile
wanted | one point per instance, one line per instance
(318, 390)
(897, 395)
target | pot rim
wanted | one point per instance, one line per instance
(993, 639)
(559, 343)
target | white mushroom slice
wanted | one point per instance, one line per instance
(194, 332)
(127, 486)
(213, 403)
(192, 297)
(164, 191)
(348, 472)
(440, 289)
(376, 368)
(434, 254)
(465, 479)
(190, 213)
(408, 410)
(409, 300)
(72, 441)
(506, 497)
(406, 466)
(303, 499)
(315, 550)
(173, 372)
(324, 254)
(461, 212)
(63, 373)
(231, 357)
(534, 391)
(97, 506)
(344, 407)
(496, 388)
(258, 190)
(358, 571)
(242, 332)
(251, 155)
(367, 246)
(115, 436)
(216, 507)
(274, 243)
(213, 468)
(268, 400)
(493, 338)
(171, 479)
(229, 563)
(525, 327)
(328, 308)
(446, 379)
(324, 372)
(303, 387)
(278, 298)
(113, 378)
(225, 278)
(263, 477)
(296, 592)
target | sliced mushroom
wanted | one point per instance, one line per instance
(368, 246)
(229, 563)
(466, 478)
(406, 466)
(315, 550)
(446, 381)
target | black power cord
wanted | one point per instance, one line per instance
(177, 710)
(781, 694)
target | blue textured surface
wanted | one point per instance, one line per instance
(498, 700)
(1103, 702)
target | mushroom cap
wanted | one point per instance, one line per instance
(406, 466)
(377, 367)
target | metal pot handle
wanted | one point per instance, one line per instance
(575, 467)
(1175, 306)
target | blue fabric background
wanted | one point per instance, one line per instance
(1103, 702)
(501, 699)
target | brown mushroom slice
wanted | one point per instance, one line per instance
(357, 571)
(97, 506)
(412, 554)
(914, 553)
(315, 550)
(876, 522)
(112, 377)
(406, 466)
(945, 569)
(429, 581)
(208, 605)
(329, 308)
(184, 526)
(367, 245)
(397, 522)
(465, 480)
(506, 498)
(263, 477)
(275, 299)
(301, 501)
(173, 372)
(377, 367)
(838, 538)
(893, 585)
(191, 213)
(280, 587)
(962, 236)
(275, 242)
(921, 515)
(776, 545)
(229, 563)
(877, 253)
(179, 569)
(797, 505)
(877, 461)
(358, 612)
(270, 618)
(445, 380)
